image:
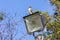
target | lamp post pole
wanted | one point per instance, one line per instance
(38, 37)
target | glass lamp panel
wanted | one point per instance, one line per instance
(33, 23)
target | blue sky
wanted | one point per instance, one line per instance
(20, 7)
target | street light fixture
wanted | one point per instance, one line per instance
(33, 22)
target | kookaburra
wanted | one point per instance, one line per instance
(30, 10)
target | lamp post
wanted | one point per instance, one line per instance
(34, 23)
(38, 37)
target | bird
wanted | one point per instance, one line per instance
(30, 10)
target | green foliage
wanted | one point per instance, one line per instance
(53, 26)
(57, 4)
(47, 17)
(1, 16)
